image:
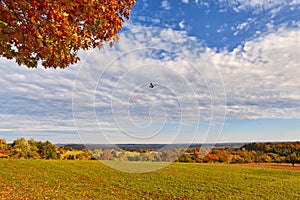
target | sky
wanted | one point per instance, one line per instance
(225, 71)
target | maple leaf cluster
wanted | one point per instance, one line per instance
(54, 31)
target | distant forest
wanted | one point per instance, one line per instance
(264, 152)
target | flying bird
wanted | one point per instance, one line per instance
(151, 85)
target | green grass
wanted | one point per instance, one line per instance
(56, 179)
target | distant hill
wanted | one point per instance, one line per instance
(133, 147)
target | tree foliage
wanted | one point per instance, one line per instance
(4, 149)
(54, 31)
(47, 150)
(271, 152)
(3, 144)
(21, 148)
(281, 148)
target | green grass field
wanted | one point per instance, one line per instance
(55, 179)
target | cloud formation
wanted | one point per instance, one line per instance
(261, 77)
(165, 5)
(256, 79)
(258, 5)
(36, 100)
(186, 90)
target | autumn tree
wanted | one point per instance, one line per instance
(3, 144)
(210, 157)
(4, 149)
(47, 150)
(20, 148)
(54, 31)
(107, 154)
(292, 158)
(224, 156)
(33, 152)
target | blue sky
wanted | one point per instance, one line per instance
(226, 71)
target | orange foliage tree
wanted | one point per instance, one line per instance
(54, 31)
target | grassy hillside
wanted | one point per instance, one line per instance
(56, 179)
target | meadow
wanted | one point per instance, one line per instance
(72, 179)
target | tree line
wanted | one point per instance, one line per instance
(28, 149)
(270, 152)
(31, 149)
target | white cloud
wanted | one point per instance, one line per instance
(241, 27)
(165, 5)
(145, 4)
(181, 24)
(36, 100)
(185, 1)
(182, 95)
(261, 78)
(258, 5)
